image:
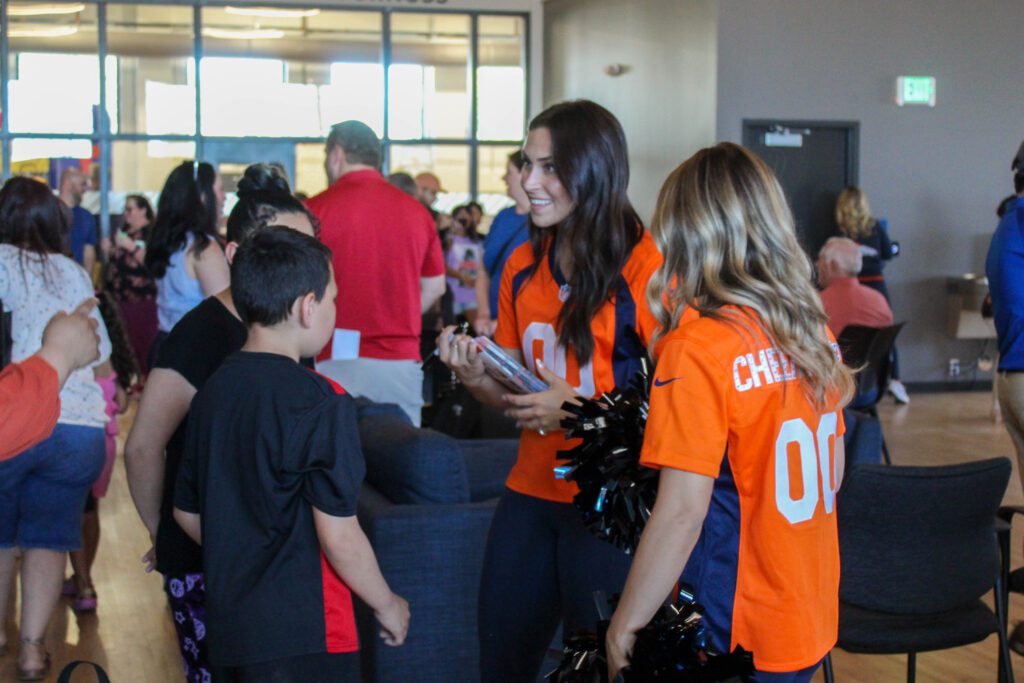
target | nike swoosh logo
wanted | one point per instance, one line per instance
(663, 382)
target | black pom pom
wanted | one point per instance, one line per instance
(616, 494)
(674, 647)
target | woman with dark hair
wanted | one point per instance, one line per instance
(196, 347)
(130, 282)
(43, 490)
(463, 260)
(184, 255)
(573, 307)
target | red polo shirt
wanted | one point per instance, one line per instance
(848, 302)
(383, 242)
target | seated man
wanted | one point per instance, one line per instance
(847, 301)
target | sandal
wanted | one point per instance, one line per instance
(85, 601)
(69, 589)
(38, 673)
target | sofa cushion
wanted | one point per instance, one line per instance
(410, 465)
(488, 462)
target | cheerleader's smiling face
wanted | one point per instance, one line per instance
(550, 202)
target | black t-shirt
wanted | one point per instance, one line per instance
(269, 440)
(194, 349)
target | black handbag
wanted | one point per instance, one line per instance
(65, 674)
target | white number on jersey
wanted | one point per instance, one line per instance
(554, 356)
(815, 459)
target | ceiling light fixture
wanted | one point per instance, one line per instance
(243, 34)
(275, 12)
(39, 10)
(42, 31)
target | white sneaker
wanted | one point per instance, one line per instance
(899, 392)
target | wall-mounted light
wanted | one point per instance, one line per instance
(42, 31)
(274, 12)
(40, 10)
(243, 34)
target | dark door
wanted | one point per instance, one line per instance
(814, 161)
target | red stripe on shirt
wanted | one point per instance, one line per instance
(339, 618)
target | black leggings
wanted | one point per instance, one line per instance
(541, 567)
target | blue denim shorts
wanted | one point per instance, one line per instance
(43, 489)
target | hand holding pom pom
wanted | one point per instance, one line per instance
(616, 493)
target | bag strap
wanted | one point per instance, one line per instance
(65, 674)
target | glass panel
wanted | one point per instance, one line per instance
(310, 177)
(46, 158)
(492, 164)
(53, 49)
(152, 46)
(289, 72)
(428, 93)
(450, 163)
(142, 168)
(501, 78)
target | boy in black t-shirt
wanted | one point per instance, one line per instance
(270, 478)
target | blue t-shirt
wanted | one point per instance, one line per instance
(508, 230)
(1005, 270)
(83, 232)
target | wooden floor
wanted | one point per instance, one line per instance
(132, 637)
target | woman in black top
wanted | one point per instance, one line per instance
(853, 216)
(193, 350)
(130, 281)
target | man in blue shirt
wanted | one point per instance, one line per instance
(82, 237)
(509, 229)
(1005, 269)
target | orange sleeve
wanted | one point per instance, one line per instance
(507, 332)
(29, 404)
(688, 425)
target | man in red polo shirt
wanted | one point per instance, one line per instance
(389, 268)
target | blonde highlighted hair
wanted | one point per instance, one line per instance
(727, 236)
(853, 213)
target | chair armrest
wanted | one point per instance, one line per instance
(432, 555)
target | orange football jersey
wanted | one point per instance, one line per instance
(527, 321)
(726, 404)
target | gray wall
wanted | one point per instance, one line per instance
(666, 97)
(936, 174)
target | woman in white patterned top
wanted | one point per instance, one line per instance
(43, 490)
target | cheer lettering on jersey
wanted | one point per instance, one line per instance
(728, 404)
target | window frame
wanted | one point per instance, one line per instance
(104, 139)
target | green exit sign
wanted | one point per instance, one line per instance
(915, 90)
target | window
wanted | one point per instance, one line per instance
(152, 46)
(428, 88)
(260, 84)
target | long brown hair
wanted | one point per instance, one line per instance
(727, 235)
(591, 160)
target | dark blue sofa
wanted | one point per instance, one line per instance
(426, 507)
